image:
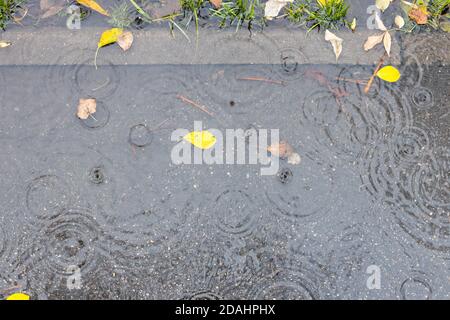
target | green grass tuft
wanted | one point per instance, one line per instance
(7, 10)
(315, 15)
(240, 12)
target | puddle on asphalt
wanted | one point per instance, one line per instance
(102, 196)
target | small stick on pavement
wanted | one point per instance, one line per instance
(262, 79)
(369, 84)
(361, 81)
(195, 104)
(160, 125)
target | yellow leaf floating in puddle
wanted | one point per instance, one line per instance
(108, 37)
(201, 139)
(18, 296)
(91, 4)
(389, 74)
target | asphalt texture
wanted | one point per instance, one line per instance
(96, 208)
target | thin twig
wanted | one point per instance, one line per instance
(369, 84)
(160, 125)
(361, 81)
(10, 289)
(102, 86)
(262, 79)
(195, 104)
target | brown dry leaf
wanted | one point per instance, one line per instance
(125, 40)
(51, 7)
(272, 8)
(418, 15)
(216, 3)
(372, 41)
(335, 41)
(86, 107)
(387, 41)
(379, 23)
(282, 150)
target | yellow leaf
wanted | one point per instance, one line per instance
(201, 139)
(91, 4)
(389, 74)
(323, 3)
(4, 44)
(18, 296)
(353, 25)
(109, 36)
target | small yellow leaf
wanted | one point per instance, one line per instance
(91, 4)
(18, 296)
(109, 36)
(389, 74)
(353, 25)
(201, 139)
(4, 44)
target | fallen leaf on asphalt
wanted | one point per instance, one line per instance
(201, 139)
(389, 74)
(372, 41)
(399, 21)
(379, 23)
(108, 37)
(419, 15)
(91, 4)
(51, 7)
(4, 44)
(86, 107)
(335, 41)
(18, 296)
(353, 25)
(125, 40)
(216, 3)
(383, 4)
(282, 150)
(273, 7)
(387, 41)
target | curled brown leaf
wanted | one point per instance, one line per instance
(86, 107)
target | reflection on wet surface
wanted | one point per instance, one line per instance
(102, 195)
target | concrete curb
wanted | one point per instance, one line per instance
(58, 46)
